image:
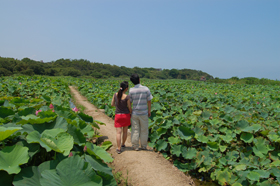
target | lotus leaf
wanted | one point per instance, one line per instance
(255, 128)
(6, 132)
(213, 146)
(161, 145)
(274, 137)
(161, 131)
(72, 171)
(184, 166)
(197, 113)
(254, 176)
(62, 142)
(228, 109)
(201, 138)
(275, 171)
(261, 146)
(215, 122)
(173, 140)
(27, 111)
(32, 119)
(240, 167)
(33, 148)
(85, 117)
(102, 170)
(4, 112)
(236, 184)
(185, 133)
(268, 183)
(189, 153)
(176, 150)
(263, 173)
(11, 157)
(154, 137)
(98, 152)
(223, 177)
(28, 176)
(106, 145)
(247, 137)
(78, 136)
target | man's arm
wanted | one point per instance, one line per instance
(149, 108)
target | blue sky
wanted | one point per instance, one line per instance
(224, 38)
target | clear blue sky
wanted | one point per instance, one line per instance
(224, 38)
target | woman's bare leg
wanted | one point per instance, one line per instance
(124, 136)
(119, 133)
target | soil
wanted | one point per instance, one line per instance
(139, 168)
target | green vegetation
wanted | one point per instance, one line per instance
(228, 133)
(75, 68)
(45, 141)
(247, 80)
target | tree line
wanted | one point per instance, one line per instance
(81, 67)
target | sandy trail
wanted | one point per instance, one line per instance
(143, 168)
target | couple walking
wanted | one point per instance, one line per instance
(138, 117)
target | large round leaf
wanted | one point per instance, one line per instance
(6, 132)
(185, 132)
(223, 177)
(213, 146)
(31, 175)
(176, 150)
(11, 157)
(254, 176)
(102, 170)
(4, 112)
(161, 145)
(247, 137)
(72, 171)
(99, 152)
(78, 136)
(189, 153)
(62, 142)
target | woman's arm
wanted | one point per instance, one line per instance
(113, 101)
(129, 106)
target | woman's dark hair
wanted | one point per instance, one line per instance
(134, 78)
(123, 86)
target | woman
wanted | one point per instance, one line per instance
(122, 114)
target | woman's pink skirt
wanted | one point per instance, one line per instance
(122, 120)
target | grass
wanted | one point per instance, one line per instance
(120, 179)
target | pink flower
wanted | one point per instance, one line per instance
(263, 97)
(37, 112)
(85, 148)
(75, 109)
(52, 110)
(51, 106)
(216, 93)
(19, 83)
(258, 102)
(71, 154)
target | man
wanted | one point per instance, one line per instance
(140, 97)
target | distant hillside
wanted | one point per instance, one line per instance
(81, 67)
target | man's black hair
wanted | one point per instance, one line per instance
(134, 78)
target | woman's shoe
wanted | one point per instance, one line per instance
(123, 145)
(119, 151)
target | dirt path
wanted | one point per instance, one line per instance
(145, 168)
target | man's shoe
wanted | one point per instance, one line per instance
(136, 148)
